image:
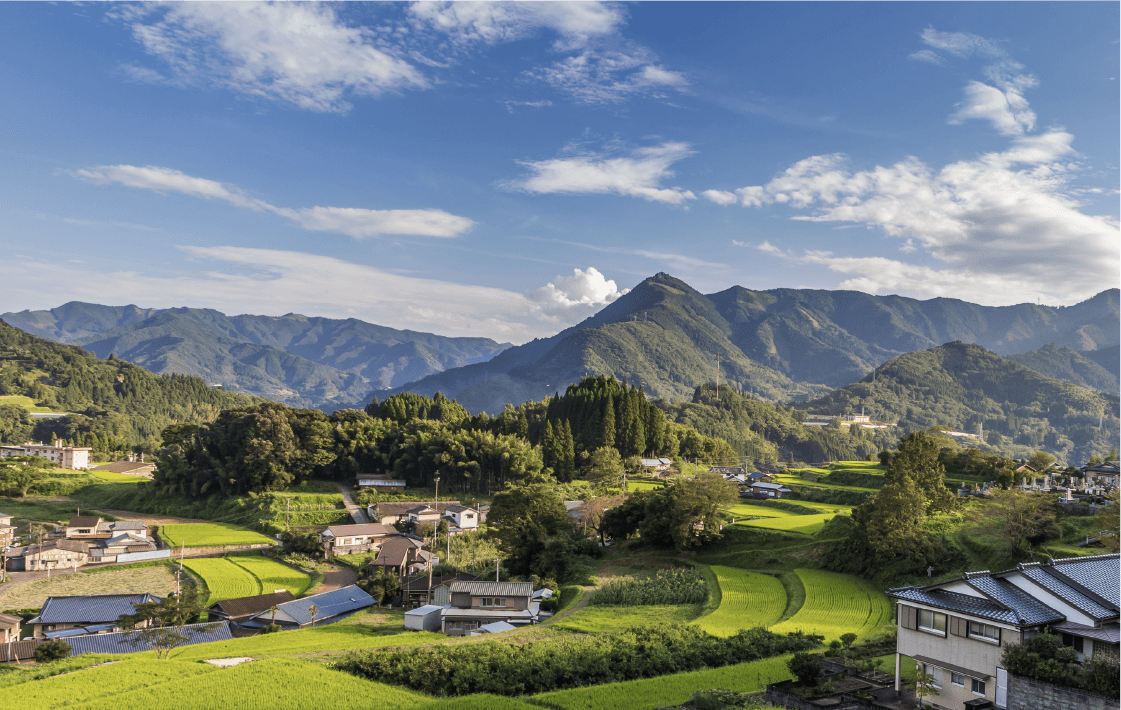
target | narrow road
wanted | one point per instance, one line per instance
(356, 513)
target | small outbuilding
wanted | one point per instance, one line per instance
(496, 627)
(425, 618)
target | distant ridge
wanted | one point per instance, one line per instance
(781, 344)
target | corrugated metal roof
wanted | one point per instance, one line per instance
(498, 589)
(328, 604)
(457, 613)
(424, 610)
(496, 627)
(91, 609)
(123, 642)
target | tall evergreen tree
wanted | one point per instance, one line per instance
(607, 423)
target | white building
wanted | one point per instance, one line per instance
(65, 456)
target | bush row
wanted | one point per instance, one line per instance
(566, 661)
(668, 586)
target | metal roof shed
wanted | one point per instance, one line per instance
(425, 618)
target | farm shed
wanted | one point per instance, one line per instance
(425, 618)
(329, 607)
(99, 611)
(494, 628)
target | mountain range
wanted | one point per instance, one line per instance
(781, 344)
(308, 362)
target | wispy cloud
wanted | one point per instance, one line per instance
(601, 76)
(1003, 218)
(265, 50)
(352, 221)
(274, 282)
(639, 174)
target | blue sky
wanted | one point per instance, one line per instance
(508, 169)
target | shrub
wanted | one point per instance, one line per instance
(806, 667)
(674, 586)
(50, 651)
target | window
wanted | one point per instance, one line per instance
(984, 632)
(932, 622)
(957, 679)
(978, 686)
(935, 673)
(493, 601)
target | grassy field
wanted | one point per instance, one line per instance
(246, 575)
(792, 480)
(112, 477)
(27, 403)
(210, 535)
(633, 486)
(667, 690)
(747, 600)
(95, 686)
(608, 618)
(807, 524)
(754, 509)
(836, 604)
(334, 637)
(157, 579)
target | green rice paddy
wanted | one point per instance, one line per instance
(211, 535)
(245, 576)
(837, 604)
(747, 600)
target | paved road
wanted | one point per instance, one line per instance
(356, 513)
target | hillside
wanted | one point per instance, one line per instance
(321, 362)
(781, 344)
(112, 402)
(1065, 364)
(963, 387)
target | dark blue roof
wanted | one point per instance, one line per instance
(1055, 585)
(1026, 608)
(328, 604)
(953, 601)
(121, 642)
(92, 609)
(1098, 574)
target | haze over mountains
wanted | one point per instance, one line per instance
(301, 361)
(782, 344)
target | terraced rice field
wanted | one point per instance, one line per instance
(224, 579)
(334, 637)
(791, 480)
(747, 600)
(113, 477)
(747, 510)
(669, 690)
(211, 535)
(807, 524)
(837, 604)
(611, 619)
(273, 575)
(96, 685)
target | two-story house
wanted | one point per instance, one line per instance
(7, 530)
(957, 630)
(402, 556)
(475, 604)
(461, 518)
(393, 512)
(50, 554)
(350, 539)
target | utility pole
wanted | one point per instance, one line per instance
(497, 566)
(180, 570)
(718, 377)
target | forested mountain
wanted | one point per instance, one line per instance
(1065, 364)
(780, 344)
(319, 362)
(115, 404)
(963, 387)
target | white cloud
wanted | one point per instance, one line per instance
(495, 22)
(584, 293)
(1004, 218)
(1007, 112)
(302, 54)
(770, 249)
(720, 197)
(638, 175)
(598, 76)
(273, 282)
(352, 221)
(961, 44)
(925, 55)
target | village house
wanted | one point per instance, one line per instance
(769, 490)
(351, 539)
(658, 464)
(461, 518)
(243, 609)
(380, 483)
(123, 547)
(9, 628)
(402, 556)
(73, 457)
(395, 512)
(475, 604)
(957, 630)
(62, 617)
(423, 514)
(328, 608)
(48, 555)
(7, 531)
(421, 589)
(92, 527)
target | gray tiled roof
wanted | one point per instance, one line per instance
(91, 609)
(1098, 574)
(121, 642)
(1055, 585)
(953, 601)
(1109, 633)
(1026, 608)
(328, 604)
(501, 589)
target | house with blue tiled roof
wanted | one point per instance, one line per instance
(82, 615)
(957, 630)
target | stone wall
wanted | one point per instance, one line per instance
(1027, 694)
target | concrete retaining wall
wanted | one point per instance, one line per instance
(1027, 694)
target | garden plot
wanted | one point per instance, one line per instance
(837, 604)
(156, 579)
(747, 600)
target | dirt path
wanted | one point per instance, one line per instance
(150, 519)
(356, 513)
(337, 579)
